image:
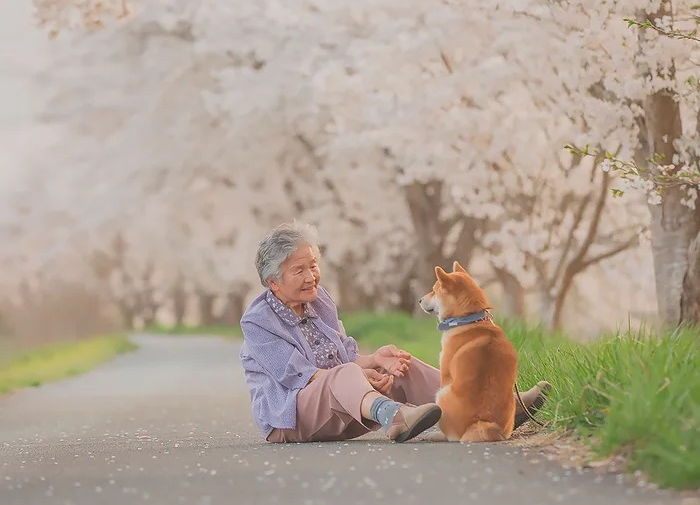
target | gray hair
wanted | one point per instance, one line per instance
(279, 245)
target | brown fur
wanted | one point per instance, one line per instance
(478, 365)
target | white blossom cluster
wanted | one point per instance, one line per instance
(188, 129)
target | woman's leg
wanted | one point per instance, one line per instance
(332, 407)
(418, 386)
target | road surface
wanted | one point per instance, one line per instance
(170, 424)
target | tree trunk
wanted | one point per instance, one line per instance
(149, 316)
(690, 297)
(673, 225)
(425, 202)
(206, 309)
(146, 306)
(407, 301)
(233, 310)
(179, 303)
(513, 302)
(546, 308)
(560, 298)
(351, 296)
(127, 314)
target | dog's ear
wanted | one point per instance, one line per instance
(441, 275)
(456, 267)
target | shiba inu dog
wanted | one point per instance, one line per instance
(478, 365)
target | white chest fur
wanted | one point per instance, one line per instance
(445, 339)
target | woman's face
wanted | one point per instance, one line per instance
(300, 277)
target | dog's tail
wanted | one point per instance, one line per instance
(483, 431)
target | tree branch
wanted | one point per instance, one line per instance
(632, 242)
(674, 34)
(578, 217)
(595, 221)
(447, 63)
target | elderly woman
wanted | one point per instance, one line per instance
(306, 377)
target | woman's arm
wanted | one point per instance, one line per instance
(280, 359)
(366, 361)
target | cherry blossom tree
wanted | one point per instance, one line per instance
(651, 74)
(410, 133)
(476, 131)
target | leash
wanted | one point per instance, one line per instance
(522, 404)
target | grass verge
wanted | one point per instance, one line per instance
(219, 330)
(47, 363)
(633, 393)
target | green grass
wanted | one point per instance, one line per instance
(419, 336)
(47, 363)
(632, 393)
(220, 330)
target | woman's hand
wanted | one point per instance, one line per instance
(392, 359)
(379, 381)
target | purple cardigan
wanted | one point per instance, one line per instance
(278, 361)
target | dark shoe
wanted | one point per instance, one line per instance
(542, 388)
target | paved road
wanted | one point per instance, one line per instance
(170, 424)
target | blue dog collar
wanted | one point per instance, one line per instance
(454, 322)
